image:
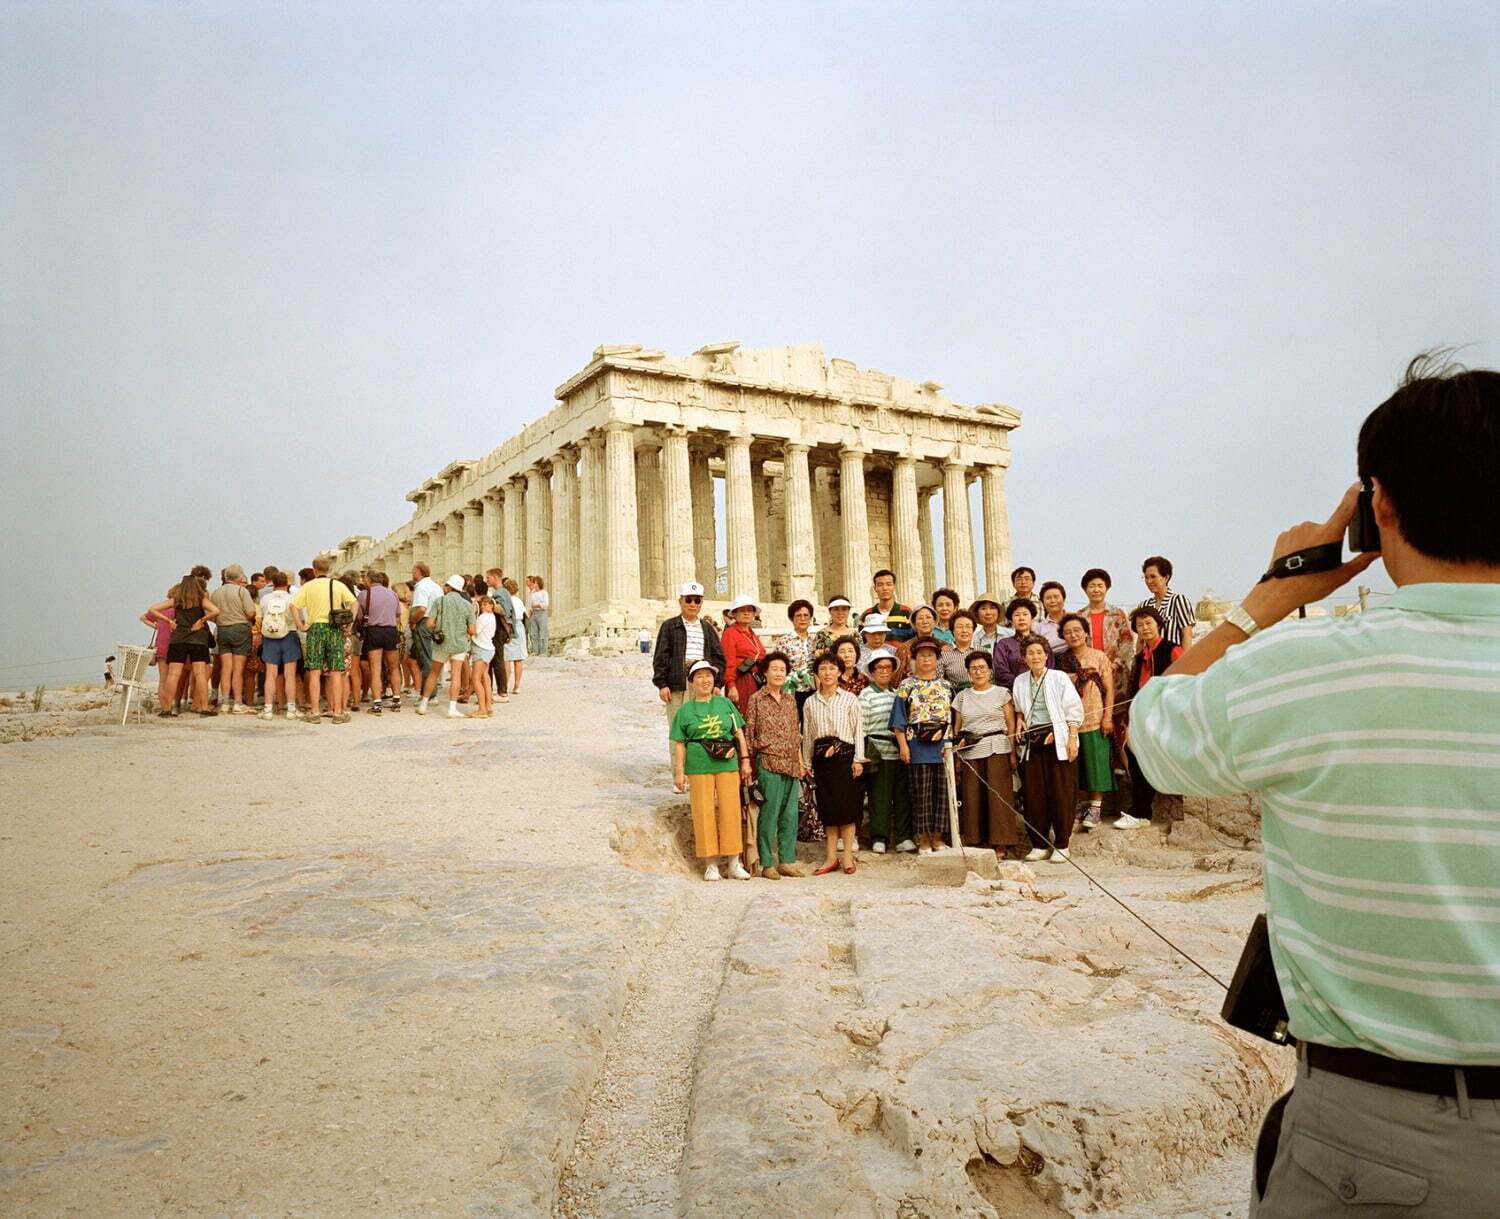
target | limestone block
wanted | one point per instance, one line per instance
(953, 867)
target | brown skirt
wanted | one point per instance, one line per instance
(986, 812)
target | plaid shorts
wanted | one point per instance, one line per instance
(927, 789)
(325, 648)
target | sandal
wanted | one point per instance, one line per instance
(849, 871)
(826, 869)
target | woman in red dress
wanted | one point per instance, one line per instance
(742, 652)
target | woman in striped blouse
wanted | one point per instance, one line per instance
(1176, 611)
(833, 747)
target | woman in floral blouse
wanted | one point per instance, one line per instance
(797, 644)
(846, 652)
(774, 735)
(920, 717)
(1109, 628)
(838, 626)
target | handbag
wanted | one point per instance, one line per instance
(832, 749)
(339, 619)
(1026, 737)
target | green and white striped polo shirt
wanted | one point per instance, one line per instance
(1374, 742)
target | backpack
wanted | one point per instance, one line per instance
(276, 618)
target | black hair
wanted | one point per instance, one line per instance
(1147, 611)
(963, 613)
(765, 661)
(1042, 592)
(944, 592)
(799, 603)
(826, 658)
(1162, 565)
(1035, 641)
(1067, 618)
(1435, 447)
(1029, 571)
(884, 571)
(1096, 573)
(1019, 603)
(979, 654)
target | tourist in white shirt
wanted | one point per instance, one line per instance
(481, 652)
(537, 602)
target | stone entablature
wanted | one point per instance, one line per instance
(828, 472)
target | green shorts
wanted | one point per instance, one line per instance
(325, 648)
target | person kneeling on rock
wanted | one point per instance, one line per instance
(707, 734)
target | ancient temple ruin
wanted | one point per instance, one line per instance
(829, 472)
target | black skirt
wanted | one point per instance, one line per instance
(840, 796)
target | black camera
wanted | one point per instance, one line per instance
(1254, 1002)
(1364, 533)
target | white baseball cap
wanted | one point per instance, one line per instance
(742, 603)
(456, 583)
(703, 664)
(837, 601)
(690, 589)
(874, 623)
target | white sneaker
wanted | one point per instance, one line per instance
(906, 844)
(421, 706)
(454, 713)
(291, 714)
(266, 714)
(1037, 853)
(1126, 822)
(878, 848)
(712, 872)
(1060, 855)
(737, 870)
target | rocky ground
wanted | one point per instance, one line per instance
(421, 966)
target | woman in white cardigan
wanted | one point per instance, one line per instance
(1049, 714)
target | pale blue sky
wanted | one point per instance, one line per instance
(266, 267)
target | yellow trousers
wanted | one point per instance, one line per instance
(715, 801)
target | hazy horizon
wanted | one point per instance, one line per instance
(267, 268)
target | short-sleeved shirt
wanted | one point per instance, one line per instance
(484, 631)
(1371, 740)
(922, 700)
(454, 614)
(983, 711)
(236, 605)
(380, 604)
(314, 598)
(897, 621)
(875, 706)
(426, 593)
(714, 720)
(1176, 612)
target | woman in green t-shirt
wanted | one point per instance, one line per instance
(712, 784)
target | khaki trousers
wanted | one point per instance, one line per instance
(1348, 1148)
(715, 802)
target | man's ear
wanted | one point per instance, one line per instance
(1385, 511)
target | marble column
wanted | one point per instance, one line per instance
(958, 530)
(622, 549)
(492, 543)
(997, 565)
(538, 523)
(830, 537)
(906, 532)
(705, 528)
(929, 551)
(453, 534)
(799, 523)
(677, 526)
(591, 520)
(739, 518)
(760, 499)
(562, 581)
(855, 520)
(515, 528)
(648, 495)
(472, 562)
(775, 574)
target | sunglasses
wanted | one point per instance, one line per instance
(693, 600)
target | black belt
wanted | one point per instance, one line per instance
(1481, 1083)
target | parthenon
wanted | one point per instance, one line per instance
(829, 473)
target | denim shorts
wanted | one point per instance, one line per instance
(483, 655)
(234, 640)
(284, 651)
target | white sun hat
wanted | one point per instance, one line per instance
(703, 664)
(873, 624)
(742, 603)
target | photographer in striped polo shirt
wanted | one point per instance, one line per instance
(1374, 743)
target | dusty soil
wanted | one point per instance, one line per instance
(419, 966)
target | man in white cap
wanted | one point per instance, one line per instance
(682, 641)
(452, 618)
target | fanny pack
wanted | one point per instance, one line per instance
(720, 749)
(968, 739)
(832, 749)
(932, 734)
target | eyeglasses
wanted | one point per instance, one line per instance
(693, 600)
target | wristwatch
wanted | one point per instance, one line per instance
(1238, 617)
